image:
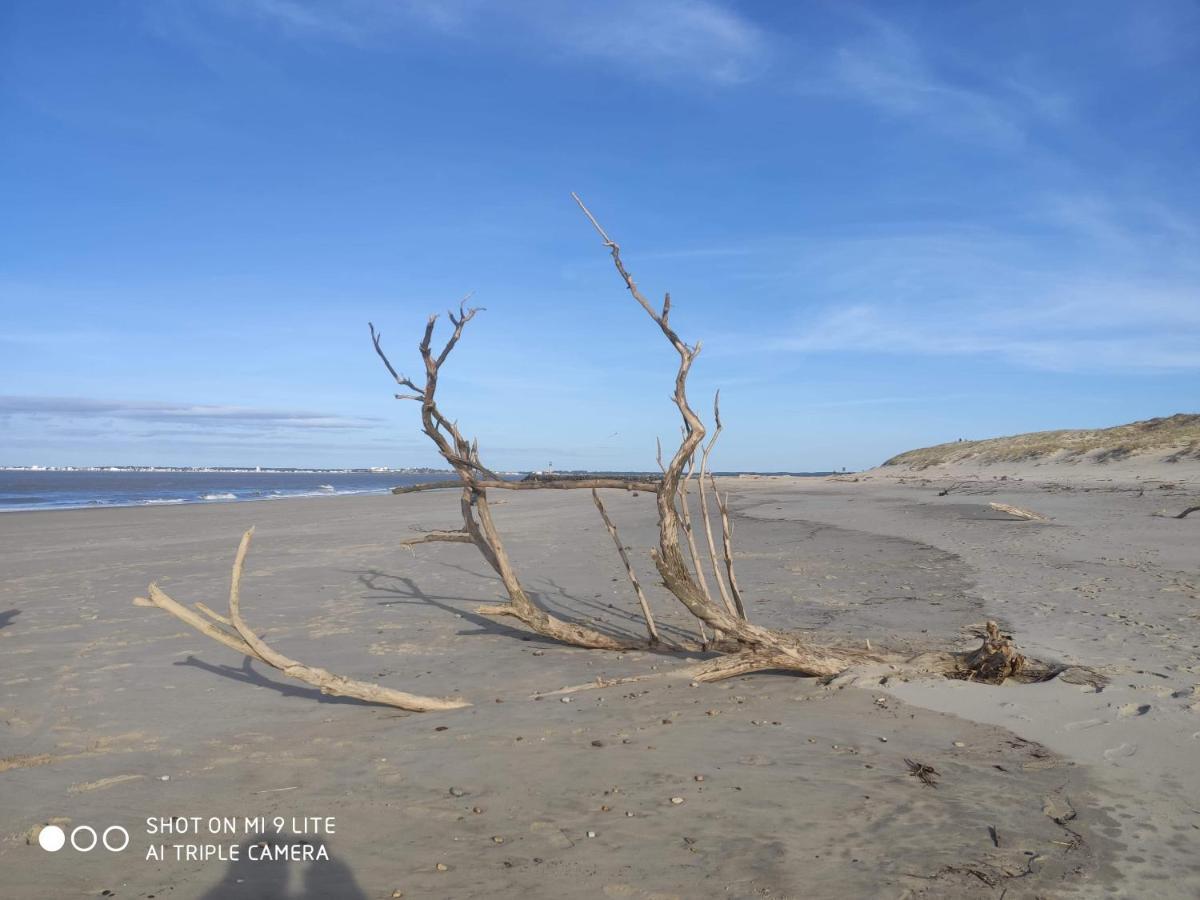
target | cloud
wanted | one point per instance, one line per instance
(1027, 343)
(931, 83)
(349, 21)
(886, 68)
(176, 413)
(1047, 319)
(663, 40)
(1089, 284)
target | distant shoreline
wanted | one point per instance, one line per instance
(299, 470)
(241, 470)
(43, 490)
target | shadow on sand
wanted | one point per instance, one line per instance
(401, 590)
(267, 879)
(247, 674)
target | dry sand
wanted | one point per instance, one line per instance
(113, 713)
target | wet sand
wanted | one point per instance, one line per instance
(114, 713)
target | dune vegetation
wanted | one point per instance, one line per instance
(1174, 437)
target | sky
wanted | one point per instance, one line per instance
(891, 225)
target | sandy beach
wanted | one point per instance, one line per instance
(362, 361)
(764, 786)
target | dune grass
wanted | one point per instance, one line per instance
(1177, 437)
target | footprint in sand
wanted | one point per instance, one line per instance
(1085, 723)
(1120, 752)
(1133, 709)
(756, 759)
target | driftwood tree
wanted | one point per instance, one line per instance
(735, 645)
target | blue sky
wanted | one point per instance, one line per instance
(892, 225)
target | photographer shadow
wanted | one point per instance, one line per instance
(269, 879)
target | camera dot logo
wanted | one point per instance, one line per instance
(52, 838)
(83, 838)
(123, 834)
(88, 832)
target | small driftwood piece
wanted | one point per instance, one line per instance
(927, 774)
(995, 660)
(950, 488)
(1164, 514)
(234, 633)
(458, 536)
(1019, 513)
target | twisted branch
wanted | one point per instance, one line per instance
(242, 639)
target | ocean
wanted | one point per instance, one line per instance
(23, 490)
(26, 490)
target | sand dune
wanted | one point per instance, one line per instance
(1170, 439)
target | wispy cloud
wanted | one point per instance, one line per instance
(669, 37)
(193, 414)
(1088, 284)
(877, 329)
(350, 21)
(888, 69)
(663, 40)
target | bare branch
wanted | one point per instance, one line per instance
(615, 250)
(159, 598)
(708, 532)
(669, 556)
(464, 316)
(1018, 512)
(685, 516)
(249, 644)
(376, 338)
(637, 588)
(215, 616)
(461, 536)
(727, 543)
(463, 456)
(619, 484)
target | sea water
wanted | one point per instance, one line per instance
(32, 490)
